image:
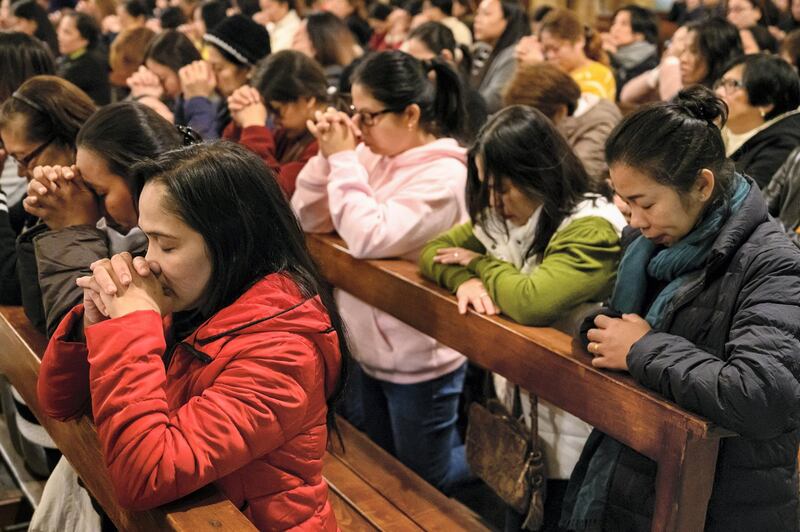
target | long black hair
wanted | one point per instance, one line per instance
(673, 141)
(172, 49)
(21, 58)
(520, 144)
(437, 37)
(226, 193)
(717, 42)
(31, 10)
(126, 133)
(398, 80)
(288, 75)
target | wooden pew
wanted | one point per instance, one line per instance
(204, 510)
(367, 481)
(556, 368)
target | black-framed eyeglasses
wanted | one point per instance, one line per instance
(368, 118)
(24, 162)
(728, 84)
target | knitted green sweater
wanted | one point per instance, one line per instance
(579, 265)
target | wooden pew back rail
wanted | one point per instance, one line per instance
(550, 364)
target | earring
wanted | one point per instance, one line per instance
(763, 113)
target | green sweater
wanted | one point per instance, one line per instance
(579, 265)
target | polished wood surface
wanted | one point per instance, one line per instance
(386, 491)
(556, 368)
(20, 345)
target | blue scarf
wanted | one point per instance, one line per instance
(673, 264)
(588, 490)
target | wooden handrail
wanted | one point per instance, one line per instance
(206, 509)
(556, 368)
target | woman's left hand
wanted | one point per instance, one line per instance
(613, 338)
(58, 195)
(460, 256)
(122, 288)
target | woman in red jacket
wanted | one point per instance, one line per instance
(234, 386)
(289, 88)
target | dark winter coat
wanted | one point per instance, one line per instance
(765, 152)
(783, 192)
(730, 351)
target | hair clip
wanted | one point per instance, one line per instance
(190, 136)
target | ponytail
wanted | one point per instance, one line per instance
(398, 80)
(448, 104)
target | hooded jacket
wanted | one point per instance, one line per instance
(240, 402)
(387, 207)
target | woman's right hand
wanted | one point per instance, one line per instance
(246, 107)
(197, 80)
(473, 294)
(144, 83)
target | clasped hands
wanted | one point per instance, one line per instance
(59, 196)
(612, 338)
(121, 285)
(334, 130)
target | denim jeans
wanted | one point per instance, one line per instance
(416, 423)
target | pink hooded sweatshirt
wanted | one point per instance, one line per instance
(387, 207)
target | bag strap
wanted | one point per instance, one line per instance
(516, 403)
(534, 421)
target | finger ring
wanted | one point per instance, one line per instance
(592, 347)
(455, 255)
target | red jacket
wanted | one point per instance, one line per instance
(270, 147)
(242, 403)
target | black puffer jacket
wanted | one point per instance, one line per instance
(765, 152)
(731, 353)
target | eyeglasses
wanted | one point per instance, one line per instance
(729, 85)
(24, 162)
(368, 118)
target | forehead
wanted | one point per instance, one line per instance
(13, 135)
(362, 99)
(629, 181)
(93, 167)
(216, 58)
(735, 72)
(489, 6)
(623, 17)
(416, 48)
(153, 217)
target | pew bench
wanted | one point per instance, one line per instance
(372, 490)
(369, 489)
(553, 366)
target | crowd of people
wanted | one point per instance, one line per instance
(638, 188)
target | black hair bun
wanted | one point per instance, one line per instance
(701, 103)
